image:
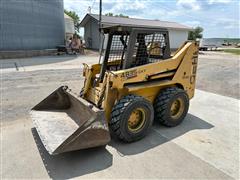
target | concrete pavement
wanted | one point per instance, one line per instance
(46, 63)
(205, 145)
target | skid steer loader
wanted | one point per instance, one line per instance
(137, 81)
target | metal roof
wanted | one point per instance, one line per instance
(121, 21)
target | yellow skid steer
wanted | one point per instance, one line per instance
(138, 81)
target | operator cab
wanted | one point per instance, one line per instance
(129, 47)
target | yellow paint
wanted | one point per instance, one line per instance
(177, 108)
(136, 120)
(146, 80)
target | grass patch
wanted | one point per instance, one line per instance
(233, 51)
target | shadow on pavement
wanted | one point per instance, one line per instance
(73, 164)
(77, 163)
(159, 135)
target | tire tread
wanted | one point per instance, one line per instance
(160, 104)
(117, 110)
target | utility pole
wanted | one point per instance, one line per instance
(89, 10)
(100, 15)
(101, 35)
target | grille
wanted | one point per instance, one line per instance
(117, 51)
(148, 48)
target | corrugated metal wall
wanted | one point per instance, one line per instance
(91, 34)
(69, 26)
(31, 24)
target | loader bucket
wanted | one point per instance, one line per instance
(66, 122)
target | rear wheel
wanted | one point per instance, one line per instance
(131, 118)
(171, 106)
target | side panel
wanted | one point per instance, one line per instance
(142, 73)
(151, 92)
(186, 73)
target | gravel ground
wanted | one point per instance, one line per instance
(219, 73)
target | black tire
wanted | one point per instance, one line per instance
(163, 104)
(120, 117)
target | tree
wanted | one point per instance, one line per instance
(75, 18)
(109, 14)
(122, 15)
(196, 33)
(117, 15)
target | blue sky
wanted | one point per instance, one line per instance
(219, 18)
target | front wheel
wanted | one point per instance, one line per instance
(131, 118)
(171, 106)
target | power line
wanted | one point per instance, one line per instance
(91, 7)
(93, 4)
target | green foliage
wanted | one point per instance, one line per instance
(116, 15)
(233, 51)
(195, 34)
(122, 15)
(75, 18)
(109, 14)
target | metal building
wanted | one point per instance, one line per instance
(69, 26)
(178, 33)
(31, 24)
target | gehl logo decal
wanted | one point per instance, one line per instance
(194, 67)
(131, 74)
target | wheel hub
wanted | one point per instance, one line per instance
(136, 120)
(177, 108)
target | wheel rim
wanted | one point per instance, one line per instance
(136, 120)
(177, 108)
